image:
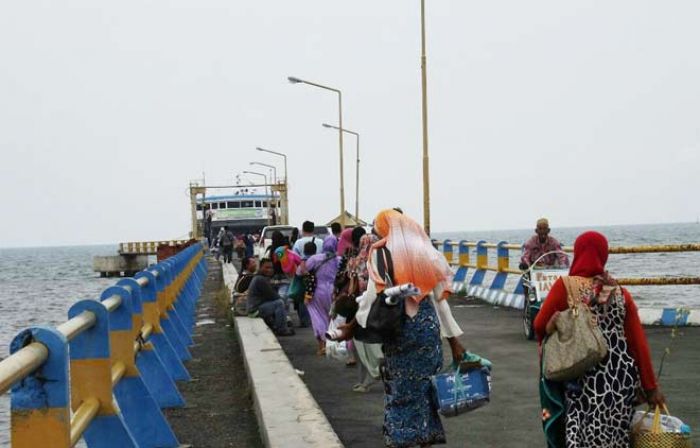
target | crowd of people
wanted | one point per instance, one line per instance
(336, 283)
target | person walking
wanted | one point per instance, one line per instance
(595, 410)
(307, 234)
(370, 355)
(412, 358)
(227, 240)
(324, 266)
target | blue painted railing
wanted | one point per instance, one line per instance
(106, 373)
(470, 277)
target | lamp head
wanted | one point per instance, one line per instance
(293, 80)
(326, 125)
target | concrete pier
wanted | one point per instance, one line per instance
(219, 410)
(118, 265)
(512, 419)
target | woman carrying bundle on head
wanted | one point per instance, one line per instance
(415, 354)
(595, 410)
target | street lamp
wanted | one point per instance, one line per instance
(294, 80)
(426, 158)
(267, 188)
(357, 166)
(277, 154)
(272, 168)
(284, 196)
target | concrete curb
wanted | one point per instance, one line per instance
(288, 415)
(665, 317)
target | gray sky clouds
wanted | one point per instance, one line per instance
(587, 112)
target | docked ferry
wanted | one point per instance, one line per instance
(241, 212)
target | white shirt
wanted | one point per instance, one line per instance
(299, 244)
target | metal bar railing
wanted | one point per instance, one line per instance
(82, 418)
(21, 363)
(689, 247)
(168, 290)
(77, 325)
(459, 253)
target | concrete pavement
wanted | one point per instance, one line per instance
(512, 419)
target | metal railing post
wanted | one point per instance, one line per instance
(40, 402)
(95, 414)
(499, 281)
(482, 260)
(139, 408)
(160, 340)
(447, 251)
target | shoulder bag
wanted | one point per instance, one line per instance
(384, 321)
(577, 344)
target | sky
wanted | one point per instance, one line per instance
(586, 112)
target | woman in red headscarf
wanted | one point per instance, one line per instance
(596, 410)
(410, 412)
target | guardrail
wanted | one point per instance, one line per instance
(146, 247)
(114, 363)
(459, 255)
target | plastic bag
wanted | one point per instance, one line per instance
(663, 431)
(337, 349)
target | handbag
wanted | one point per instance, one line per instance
(384, 321)
(458, 392)
(578, 343)
(669, 433)
(296, 289)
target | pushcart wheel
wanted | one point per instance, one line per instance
(527, 321)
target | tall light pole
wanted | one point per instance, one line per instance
(273, 169)
(285, 192)
(267, 188)
(426, 158)
(357, 166)
(277, 154)
(294, 80)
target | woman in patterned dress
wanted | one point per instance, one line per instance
(410, 410)
(595, 411)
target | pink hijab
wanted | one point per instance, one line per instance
(345, 241)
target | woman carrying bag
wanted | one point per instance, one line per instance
(415, 355)
(595, 410)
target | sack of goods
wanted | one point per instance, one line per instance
(657, 430)
(336, 349)
(461, 390)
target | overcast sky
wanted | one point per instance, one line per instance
(587, 112)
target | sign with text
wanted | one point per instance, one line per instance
(544, 279)
(239, 213)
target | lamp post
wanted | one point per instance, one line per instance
(284, 196)
(277, 154)
(294, 80)
(426, 158)
(273, 169)
(267, 188)
(357, 166)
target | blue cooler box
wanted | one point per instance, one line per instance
(473, 392)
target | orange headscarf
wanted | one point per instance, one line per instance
(415, 259)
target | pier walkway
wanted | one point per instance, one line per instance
(218, 411)
(512, 419)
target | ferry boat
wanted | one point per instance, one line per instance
(243, 211)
